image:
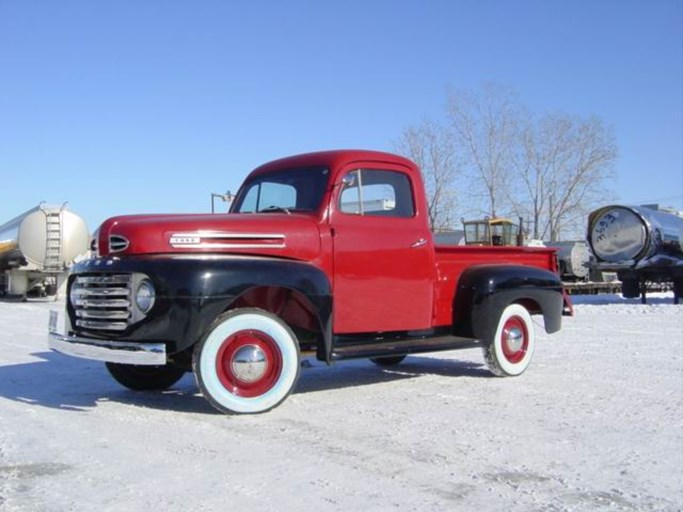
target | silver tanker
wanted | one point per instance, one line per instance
(38, 247)
(641, 244)
(574, 259)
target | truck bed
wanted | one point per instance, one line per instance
(452, 260)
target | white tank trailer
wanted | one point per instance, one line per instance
(574, 259)
(641, 244)
(37, 248)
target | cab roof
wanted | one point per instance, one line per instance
(333, 159)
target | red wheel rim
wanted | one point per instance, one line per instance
(261, 343)
(514, 339)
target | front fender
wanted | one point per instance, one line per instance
(484, 291)
(192, 290)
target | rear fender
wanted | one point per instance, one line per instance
(484, 291)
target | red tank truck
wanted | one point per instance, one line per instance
(326, 254)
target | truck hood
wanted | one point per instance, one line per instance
(293, 236)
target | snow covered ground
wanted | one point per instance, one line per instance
(596, 423)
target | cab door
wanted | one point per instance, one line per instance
(383, 252)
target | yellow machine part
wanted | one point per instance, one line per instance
(7, 246)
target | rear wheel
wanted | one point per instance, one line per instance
(248, 362)
(141, 378)
(509, 350)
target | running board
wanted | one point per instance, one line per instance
(385, 347)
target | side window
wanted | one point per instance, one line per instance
(375, 192)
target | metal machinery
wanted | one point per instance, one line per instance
(37, 248)
(450, 237)
(642, 244)
(492, 231)
(574, 258)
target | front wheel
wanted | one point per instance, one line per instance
(509, 351)
(248, 362)
(143, 378)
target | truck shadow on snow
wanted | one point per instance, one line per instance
(68, 384)
(349, 374)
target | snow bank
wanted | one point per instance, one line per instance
(595, 423)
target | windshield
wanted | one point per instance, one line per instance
(299, 189)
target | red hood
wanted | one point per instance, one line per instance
(293, 236)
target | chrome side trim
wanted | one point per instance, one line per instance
(225, 234)
(126, 352)
(201, 240)
(231, 246)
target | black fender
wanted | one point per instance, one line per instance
(192, 290)
(484, 291)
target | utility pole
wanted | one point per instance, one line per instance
(551, 219)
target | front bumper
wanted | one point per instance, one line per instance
(126, 352)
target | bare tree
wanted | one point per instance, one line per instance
(539, 148)
(486, 129)
(563, 164)
(550, 170)
(431, 147)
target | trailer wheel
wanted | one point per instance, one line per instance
(247, 362)
(509, 351)
(630, 287)
(144, 378)
(387, 360)
(678, 290)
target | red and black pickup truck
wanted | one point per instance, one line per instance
(325, 253)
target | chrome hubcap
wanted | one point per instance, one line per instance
(249, 363)
(515, 339)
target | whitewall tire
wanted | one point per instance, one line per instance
(509, 351)
(247, 362)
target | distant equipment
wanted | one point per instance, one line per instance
(450, 237)
(494, 231)
(642, 244)
(37, 248)
(574, 258)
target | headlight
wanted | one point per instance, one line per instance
(145, 295)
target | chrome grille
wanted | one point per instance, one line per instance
(102, 302)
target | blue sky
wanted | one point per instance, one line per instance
(135, 106)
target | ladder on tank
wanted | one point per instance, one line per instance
(53, 239)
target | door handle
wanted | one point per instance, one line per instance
(418, 243)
